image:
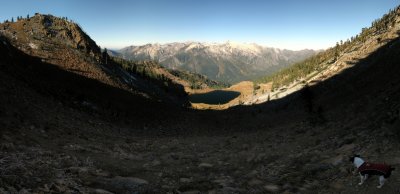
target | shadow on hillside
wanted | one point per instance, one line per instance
(78, 91)
(360, 89)
(214, 97)
(357, 91)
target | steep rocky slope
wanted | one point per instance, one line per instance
(296, 144)
(59, 42)
(229, 62)
(65, 45)
(333, 61)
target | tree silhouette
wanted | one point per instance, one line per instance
(336, 51)
(105, 56)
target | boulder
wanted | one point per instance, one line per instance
(191, 192)
(337, 185)
(205, 165)
(120, 184)
(337, 160)
(272, 188)
(254, 182)
(101, 191)
(346, 149)
(185, 180)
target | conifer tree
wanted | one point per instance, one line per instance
(336, 52)
(105, 56)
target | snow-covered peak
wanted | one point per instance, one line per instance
(228, 61)
(227, 48)
(244, 47)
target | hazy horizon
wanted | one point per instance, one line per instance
(286, 24)
(205, 42)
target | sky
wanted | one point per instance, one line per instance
(289, 24)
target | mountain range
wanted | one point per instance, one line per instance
(228, 62)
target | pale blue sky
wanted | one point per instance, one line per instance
(292, 24)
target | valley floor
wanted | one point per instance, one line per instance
(100, 158)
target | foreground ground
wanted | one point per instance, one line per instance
(100, 158)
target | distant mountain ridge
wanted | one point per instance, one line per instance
(228, 62)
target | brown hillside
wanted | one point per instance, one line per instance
(59, 42)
